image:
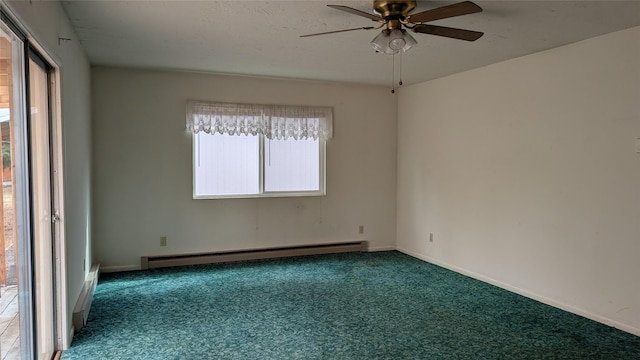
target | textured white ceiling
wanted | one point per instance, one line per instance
(262, 37)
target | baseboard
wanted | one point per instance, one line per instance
(119, 268)
(381, 248)
(526, 293)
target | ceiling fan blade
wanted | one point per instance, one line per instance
(460, 34)
(356, 12)
(339, 31)
(462, 8)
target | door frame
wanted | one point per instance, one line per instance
(63, 330)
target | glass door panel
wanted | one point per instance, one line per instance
(41, 208)
(12, 291)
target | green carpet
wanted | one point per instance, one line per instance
(383, 305)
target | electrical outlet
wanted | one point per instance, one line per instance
(163, 241)
(430, 237)
(361, 229)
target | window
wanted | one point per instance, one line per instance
(257, 150)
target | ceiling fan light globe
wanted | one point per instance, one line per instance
(380, 43)
(409, 41)
(396, 39)
(397, 44)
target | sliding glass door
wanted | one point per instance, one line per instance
(27, 244)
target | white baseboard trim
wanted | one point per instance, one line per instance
(119, 268)
(525, 293)
(382, 248)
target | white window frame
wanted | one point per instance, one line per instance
(322, 191)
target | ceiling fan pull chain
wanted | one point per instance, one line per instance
(393, 74)
(400, 82)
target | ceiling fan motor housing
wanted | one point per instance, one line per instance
(394, 8)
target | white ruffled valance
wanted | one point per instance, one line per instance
(272, 121)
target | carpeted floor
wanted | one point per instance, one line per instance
(383, 305)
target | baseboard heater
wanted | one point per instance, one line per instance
(154, 262)
(81, 310)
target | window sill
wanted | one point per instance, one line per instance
(258, 196)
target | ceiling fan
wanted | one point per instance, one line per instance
(395, 15)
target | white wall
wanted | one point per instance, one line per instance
(142, 161)
(528, 176)
(45, 21)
